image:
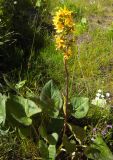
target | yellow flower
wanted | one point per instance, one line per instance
(66, 57)
(68, 21)
(59, 42)
(55, 20)
(65, 11)
(63, 17)
(68, 53)
(59, 27)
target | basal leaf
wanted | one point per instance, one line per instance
(31, 108)
(55, 125)
(53, 138)
(78, 132)
(51, 98)
(80, 107)
(69, 146)
(43, 132)
(43, 149)
(22, 109)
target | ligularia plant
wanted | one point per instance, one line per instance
(64, 38)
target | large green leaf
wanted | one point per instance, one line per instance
(53, 138)
(50, 138)
(80, 107)
(43, 149)
(55, 125)
(52, 152)
(78, 132)
(70, 146)
(43, 132)
(25, 132)
(31, 108)
(51, 99)
(3, 100)
(99, 150)
(22, 109)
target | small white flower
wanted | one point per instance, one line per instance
(92, 139)
(97, 98)
(15, 2)
(0, 20)
(102, 96)
(99, 91)
(93, 102)
(107, 95)
(98, 95)
(73, 153)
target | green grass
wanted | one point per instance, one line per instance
(54, 62)
(91, 69)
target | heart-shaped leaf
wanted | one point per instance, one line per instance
(80, 107)
(22, 109)
(51, 98)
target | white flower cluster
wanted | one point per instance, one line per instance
(100, 99)
(99, 95)
(15, 2)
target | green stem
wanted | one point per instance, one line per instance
(35, 131)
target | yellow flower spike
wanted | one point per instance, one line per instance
(64, 26)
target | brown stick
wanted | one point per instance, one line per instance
(66, 96)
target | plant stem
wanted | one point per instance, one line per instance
(66, 95)
(35, 131)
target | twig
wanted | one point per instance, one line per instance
(66, 96)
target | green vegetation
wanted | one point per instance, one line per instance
(37, 120)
